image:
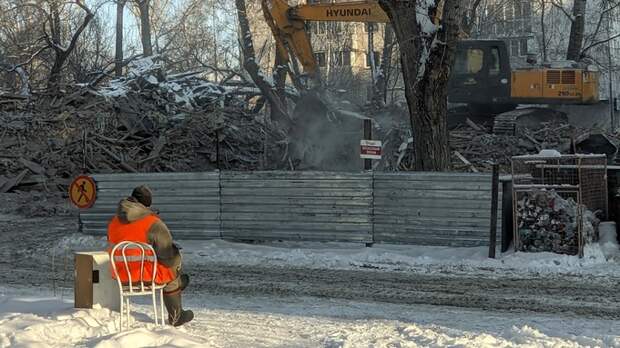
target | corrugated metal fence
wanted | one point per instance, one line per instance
(189, 203)
(452, 209)
(413, 208)
(297, 205)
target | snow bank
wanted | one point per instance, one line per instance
(49, 322)
(599, 259)
(596, 261)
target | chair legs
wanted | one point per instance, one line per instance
(127, 315)
(161, 304)
(157, 312)
(155, 306)
(120, 325)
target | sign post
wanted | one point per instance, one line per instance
(367, 136)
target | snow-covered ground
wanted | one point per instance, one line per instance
(324, 295)
(601, 259)
(31, 319)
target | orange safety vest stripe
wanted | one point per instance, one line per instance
(136, 231)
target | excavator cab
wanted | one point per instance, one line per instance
(481, 76)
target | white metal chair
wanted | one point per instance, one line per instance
(130, 255)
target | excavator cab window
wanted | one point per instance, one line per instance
(494, 66)
(469, 61)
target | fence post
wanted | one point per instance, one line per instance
(367, 136)
(494, 204)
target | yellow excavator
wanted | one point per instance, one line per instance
(481, 77)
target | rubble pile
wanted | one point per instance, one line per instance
(145, 122)
(549, 222)
(477, 149)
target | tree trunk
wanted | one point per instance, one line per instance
(280, 71)
(577, 29)
(251, 66)
(386, 65)
(145, 27)
(118, 66)
(426, 55)
(371, 60)
(543, 9)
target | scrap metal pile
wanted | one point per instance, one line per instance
(147, 121)
(549, 222)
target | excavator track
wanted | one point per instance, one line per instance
(508, 123)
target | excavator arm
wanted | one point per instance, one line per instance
(288, 24)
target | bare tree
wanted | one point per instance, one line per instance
(54, 39)
(427, 53)
(251, 66)
(118, 67)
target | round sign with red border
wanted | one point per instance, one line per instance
(83, 192)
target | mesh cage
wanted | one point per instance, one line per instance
(553, 197)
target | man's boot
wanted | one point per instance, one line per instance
(176, 315)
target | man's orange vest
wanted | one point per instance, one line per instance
(136, 231)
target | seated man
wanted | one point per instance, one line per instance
(136, 222)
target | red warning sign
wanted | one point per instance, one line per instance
(370, 149)
(83, 192)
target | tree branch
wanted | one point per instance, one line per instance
(599, 43)
(561, 8)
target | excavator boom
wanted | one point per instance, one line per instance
(288, 25)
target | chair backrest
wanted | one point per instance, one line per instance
(134, 263)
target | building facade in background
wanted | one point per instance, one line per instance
(511, 21)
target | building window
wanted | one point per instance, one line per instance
(509, 27)
(508, 12)
(527, 25)
(526, 9)
(518, 10)
(501, 28)
(320, 59)
(342, 58)
(514, 48)
(377, 57)
(524, 48)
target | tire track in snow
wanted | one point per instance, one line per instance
(550, 295)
